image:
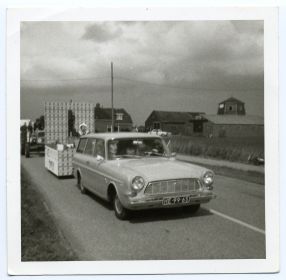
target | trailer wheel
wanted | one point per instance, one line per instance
(22, 149)
(27, 151)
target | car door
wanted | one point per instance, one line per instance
(79, 159)
(98, 164)
(87, 158)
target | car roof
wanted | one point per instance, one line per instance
(113, 135)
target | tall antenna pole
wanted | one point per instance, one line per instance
(112, 113)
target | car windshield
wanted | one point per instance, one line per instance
(136, 147)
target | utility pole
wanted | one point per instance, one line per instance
(112, 110)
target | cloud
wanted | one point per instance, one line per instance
(174, 52)
(203, 55)
(248, 26)
(101, 32)
(198, 60)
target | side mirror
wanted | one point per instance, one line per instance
(99, 158)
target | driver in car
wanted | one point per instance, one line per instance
(130, 150)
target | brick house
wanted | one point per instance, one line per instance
(233, 126)
(232, 121)
(185, 123)
(103, 116)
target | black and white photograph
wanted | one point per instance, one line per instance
(145, 140)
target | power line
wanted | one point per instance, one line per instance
(175, 87)
(64, 80)
(132, 81)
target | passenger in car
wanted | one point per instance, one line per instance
(99, 148)
(112, 149)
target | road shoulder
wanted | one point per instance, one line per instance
(42, 239)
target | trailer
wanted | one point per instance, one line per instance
(58, 159)
(63, 121)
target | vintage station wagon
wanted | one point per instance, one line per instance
(137, 171)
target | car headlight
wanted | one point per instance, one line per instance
(208, 178)
(137, 183)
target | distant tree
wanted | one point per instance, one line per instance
(30, 127)
(39, 123)
(42, 122)
(23, 128)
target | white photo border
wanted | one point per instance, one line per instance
(270, 264)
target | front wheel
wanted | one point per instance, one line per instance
(120, 212)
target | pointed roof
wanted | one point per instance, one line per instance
(105, 114)
(232, 99)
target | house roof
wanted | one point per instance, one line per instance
(105, 114)
(169, 116)
(235, 119)
(232, 99)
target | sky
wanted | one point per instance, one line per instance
(170, 65)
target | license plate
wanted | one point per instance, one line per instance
(178, 199)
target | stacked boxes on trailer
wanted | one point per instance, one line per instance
(58, 152)
(56, 122)
(84, 113)
(59, 161)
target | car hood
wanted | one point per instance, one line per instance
(154, 169)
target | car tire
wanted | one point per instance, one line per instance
(194, 208)
(119, 210)
(80, 185)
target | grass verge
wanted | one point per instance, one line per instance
(40, 238)
(231, 149)
(249, 176)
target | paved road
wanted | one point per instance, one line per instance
(230, 227)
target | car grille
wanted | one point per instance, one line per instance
(172, 186)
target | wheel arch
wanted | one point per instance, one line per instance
(78, 174)
(111, 191)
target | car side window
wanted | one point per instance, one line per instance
(81, 145)
(99, 149)
(89, 148)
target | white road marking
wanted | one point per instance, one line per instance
(237, 221)
(46, 206)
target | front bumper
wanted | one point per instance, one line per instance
(148, 202)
